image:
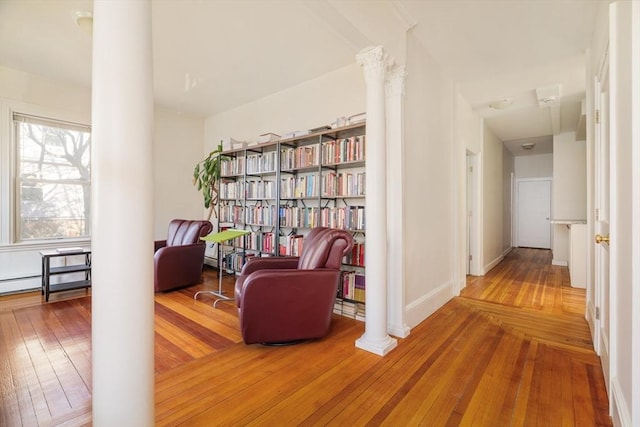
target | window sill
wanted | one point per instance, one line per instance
(45, 244)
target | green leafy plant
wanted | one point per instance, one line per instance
(206, 176)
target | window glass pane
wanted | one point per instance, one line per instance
(53, 210)
(53, 179)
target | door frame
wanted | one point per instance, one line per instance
(472, 213)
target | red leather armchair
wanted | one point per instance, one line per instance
(289, 299)
(178, 260)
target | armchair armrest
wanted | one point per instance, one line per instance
(269, 263)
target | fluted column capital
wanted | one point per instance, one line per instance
(395, 81)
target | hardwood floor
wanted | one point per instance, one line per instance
(513, 349)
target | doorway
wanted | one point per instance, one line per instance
(473, 257)
(533, 224)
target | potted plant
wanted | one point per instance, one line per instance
(206, 175)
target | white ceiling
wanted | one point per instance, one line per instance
(213, 55)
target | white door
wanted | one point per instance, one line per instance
(534, 213)
(601, 251)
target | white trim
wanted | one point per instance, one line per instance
(487, 268)
(619, 408)
(20, 284)
(560, 263)
(613, 210)
(474, 224)
(7, 154)
(425, 306)
(635, 207)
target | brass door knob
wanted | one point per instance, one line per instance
(601, 239)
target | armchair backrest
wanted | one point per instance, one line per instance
(187, 232)
(324, 248)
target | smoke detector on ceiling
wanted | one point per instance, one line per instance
(528, 145)
(548, 96)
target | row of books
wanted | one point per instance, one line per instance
(255, 214)
(353, 310)
(261, 163)
(331, 153)
(343, 150)
(233, 261)
(345, 218)
(352, 286)
(291, 245)
(356, 256)
(231, 190)
(232, 166)
(263, 242)
(260, 189)
(343, 184)
(299, 157)
(299, 186)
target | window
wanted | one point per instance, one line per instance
(53, 179)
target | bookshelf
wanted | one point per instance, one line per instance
(280, 189)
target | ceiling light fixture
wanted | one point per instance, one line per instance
(501, 104)
(528, 145)
(85, 21)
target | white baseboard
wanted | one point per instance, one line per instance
(560, 263)
(420, 309)
(488, 267)
(20, 285)
(619, 408)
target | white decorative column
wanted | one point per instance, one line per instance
(122, 215)
(395, 201)
(375, 338)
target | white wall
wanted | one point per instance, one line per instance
(313, 103)
(492, 200)
(625, 209)
(569, 177)
(33, 89)
(569, 192)
(429, 172)
(535, 166)
(177, 147)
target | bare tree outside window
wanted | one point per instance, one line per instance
(53, 185)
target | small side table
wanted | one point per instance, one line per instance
(48, 271)
(219, 238)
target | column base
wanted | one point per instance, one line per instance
(400, 331)
(379, 346)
